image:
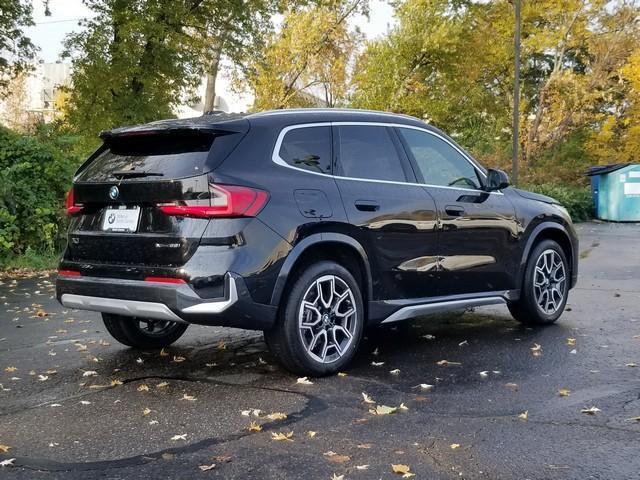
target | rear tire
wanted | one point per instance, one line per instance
(545, 286)
(320, 321)
(143, 333)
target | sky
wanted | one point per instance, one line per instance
(49, 32)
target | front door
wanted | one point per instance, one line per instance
(479, 234)
(394, 220)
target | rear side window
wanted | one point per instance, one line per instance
(163, 156)
(368, 152)
(308, 148)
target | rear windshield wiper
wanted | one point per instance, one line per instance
(120, 174)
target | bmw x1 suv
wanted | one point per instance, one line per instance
(310, 225)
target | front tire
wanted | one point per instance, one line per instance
(320, 322)
(143, 333)
(545, 286)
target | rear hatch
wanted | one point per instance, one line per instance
(124, 199)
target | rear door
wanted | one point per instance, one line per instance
(119, 189)
(479, 233)
(394, 220)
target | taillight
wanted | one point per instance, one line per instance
(73, 208)
(226, 201)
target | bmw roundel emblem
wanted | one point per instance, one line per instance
(114, 192)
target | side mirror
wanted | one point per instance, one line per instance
(496, 180)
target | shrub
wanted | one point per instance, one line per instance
(35, 173)
(577, 200)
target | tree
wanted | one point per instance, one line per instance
(16, 49)
(132, 63)
(308, 61)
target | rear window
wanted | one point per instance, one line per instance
(160, 156)
(308, 148)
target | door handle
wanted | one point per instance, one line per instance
(454, 210)
(367, 205)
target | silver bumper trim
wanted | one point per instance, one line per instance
(129, 308)
(155, 310)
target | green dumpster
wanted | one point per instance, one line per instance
(618, 198)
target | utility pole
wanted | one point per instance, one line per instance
(516, 98)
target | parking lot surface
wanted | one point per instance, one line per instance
(476, 396)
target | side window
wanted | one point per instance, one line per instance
(368, 152)
(440, 163)
(308, 148)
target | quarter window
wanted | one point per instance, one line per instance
(440, 163)
(308, 148)
(368, 152)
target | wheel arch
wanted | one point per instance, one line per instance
(547, 231)
(339, 247)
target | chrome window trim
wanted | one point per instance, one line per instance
(275, 156)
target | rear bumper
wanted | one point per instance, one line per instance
(160, 301)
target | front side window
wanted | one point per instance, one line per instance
(368, 152)
(308, 148)
(440, 163)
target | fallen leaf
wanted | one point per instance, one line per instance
(304, 381)
(536, 350)
(573, 352)
(524, 415)
(222, 345)
(571, 342)
(367, 398)
(383, 410)
(189, 398)
(429, 337)
(403, 470)
(511, 386)
(632, 365)
(4, 448)
(10, 369)
(178, 359)
(590, 410)
(337, 477)
(377, 364)
(403, 407)
(206, 468)
(163, 353)
(334, 457)
(362, 467)
(254, 427)
(153, 422)
(85, 402)
(311, 433)
(279, 436)
(146, 411)
(182, 436)
(564, 392)
(143, 388)
(454, 446)
(43, 378)
(116, 382)
(162, 385)
(90, 373)
(395, 371)
(634, 419)
(342, 374)
(277, 416)
(424, 386)
(484, 374)
(8, 462)
(462, 344)
(365, 445)
(446, 363)
(139, 361)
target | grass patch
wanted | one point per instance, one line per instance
(31, 260)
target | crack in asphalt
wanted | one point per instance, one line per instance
(314, 405)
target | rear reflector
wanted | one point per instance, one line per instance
(69, 273)
(73, 208)
(164, 280)
(226, 201)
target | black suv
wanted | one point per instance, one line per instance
(310, 225)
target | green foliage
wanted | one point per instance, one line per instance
(577, 200)
(35, 174)
(16, 49)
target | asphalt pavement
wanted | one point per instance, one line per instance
(477, 396)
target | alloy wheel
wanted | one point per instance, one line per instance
(549, 281)
(154, 328)
(327, 319)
